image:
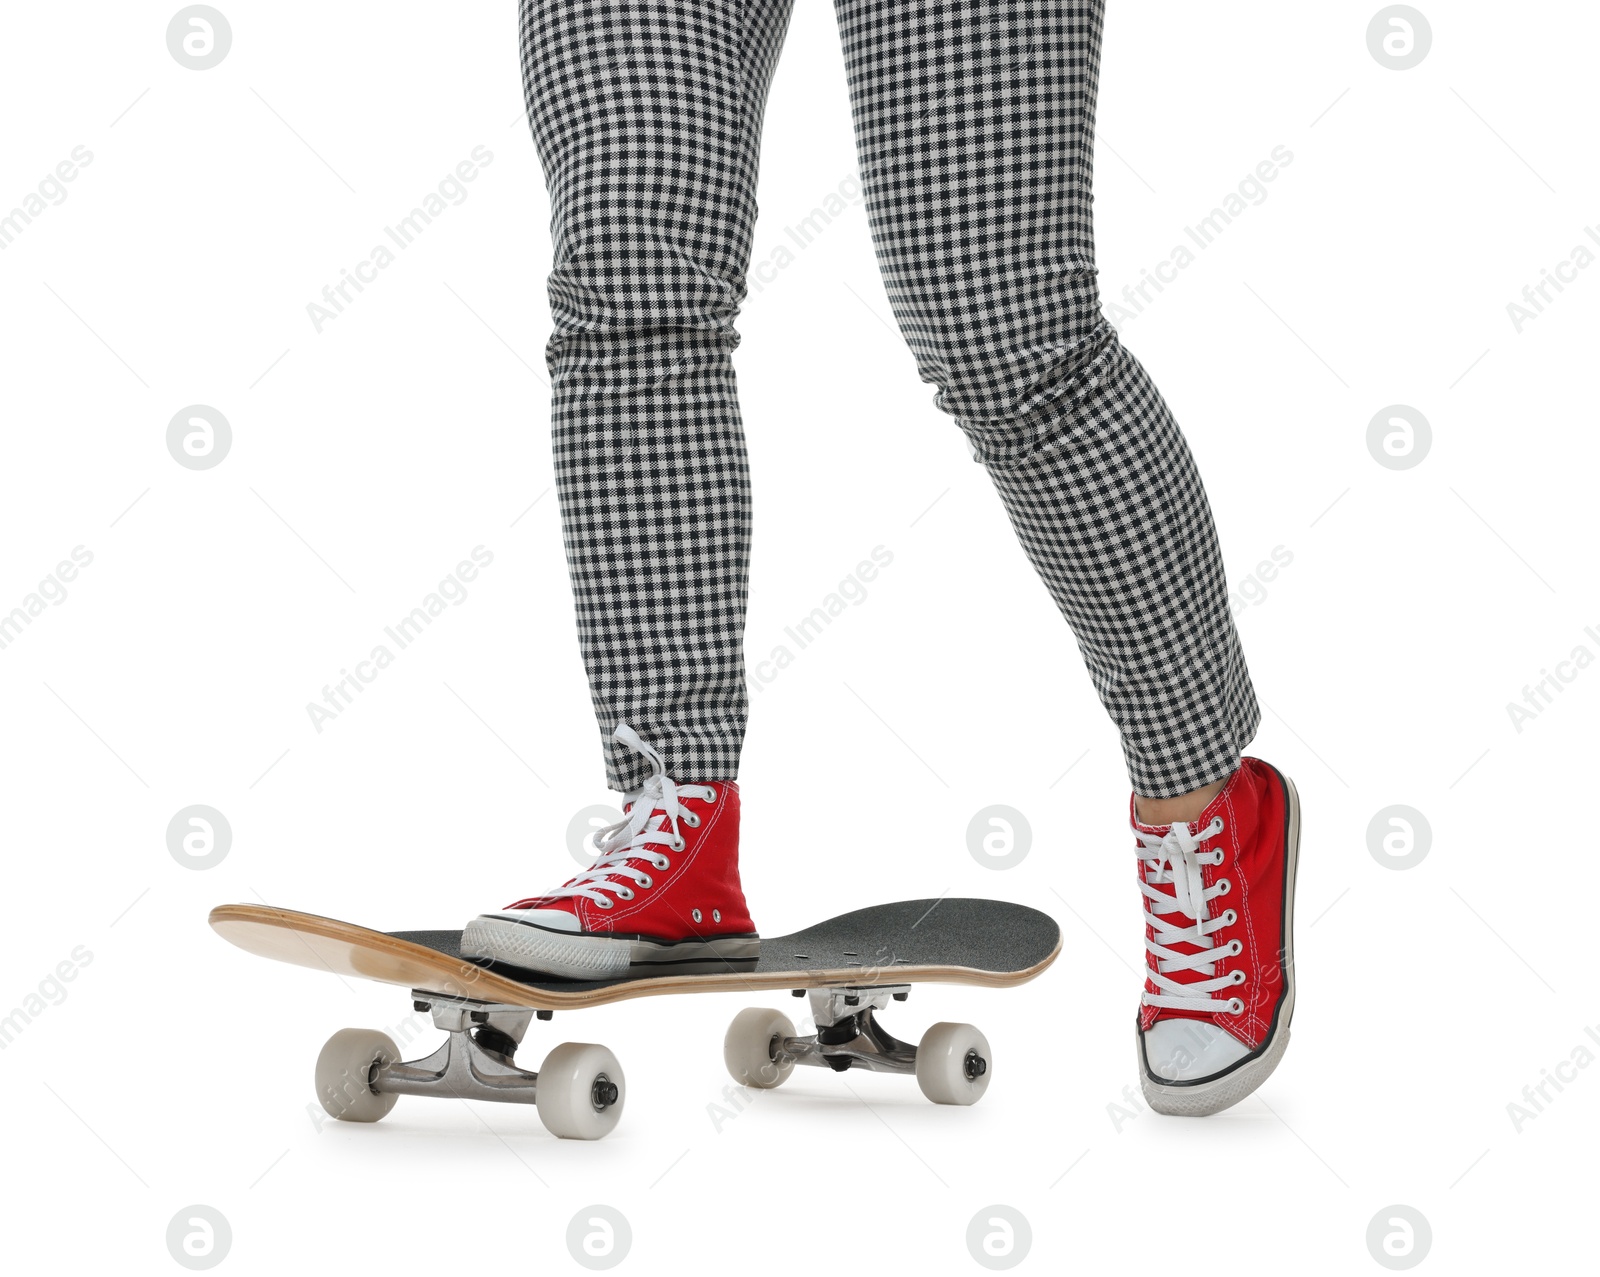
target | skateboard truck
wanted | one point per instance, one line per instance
(951, 1064)
(474, 1062)
(579, 1091)
(848, 1034)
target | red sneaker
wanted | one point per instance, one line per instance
(662, 898)
(1219, 939)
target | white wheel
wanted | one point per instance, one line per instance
(580, 1091)
(954, 1064)
(751, 1047)
(344, 1074)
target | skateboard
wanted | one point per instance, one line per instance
(851, 967)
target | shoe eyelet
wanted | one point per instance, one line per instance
(1229, 918)
(678, 842)
(1236, 1007)
(1236, 948)
(605, 902)
(692, 821)
(711, 794)
(1223, 886)
(624, 893)
(646, 882)
(716, 915)
(695, 914)
(1216, 856)
(1238, 976)
(661, 862)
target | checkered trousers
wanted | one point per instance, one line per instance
(974, 124)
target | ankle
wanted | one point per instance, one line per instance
(1182, 807)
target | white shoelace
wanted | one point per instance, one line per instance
(1175, 859)
(651, 821)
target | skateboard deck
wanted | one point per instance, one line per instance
(979, 942)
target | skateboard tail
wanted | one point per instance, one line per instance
(326, 944)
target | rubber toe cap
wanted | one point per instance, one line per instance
(1180, 1050)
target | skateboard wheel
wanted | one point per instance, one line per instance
(954, 1064)
(751, 1048)
(580, 1091)
(344, 1074)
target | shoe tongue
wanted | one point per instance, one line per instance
(651, 796)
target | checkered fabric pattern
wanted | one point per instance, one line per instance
(975, 127)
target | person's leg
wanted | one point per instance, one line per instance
(975, 125)
(1189, 806)
(647, 116)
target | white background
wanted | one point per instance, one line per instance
(367, 460)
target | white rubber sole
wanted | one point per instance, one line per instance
(580, 956)
(1206, 1096)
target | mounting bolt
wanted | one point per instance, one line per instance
(974, 1066)
(797, 993)
(544, 1014)
(419, 1006)
(850, 1000)
(604, 1094)
(901, 997)
(479, 1017)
